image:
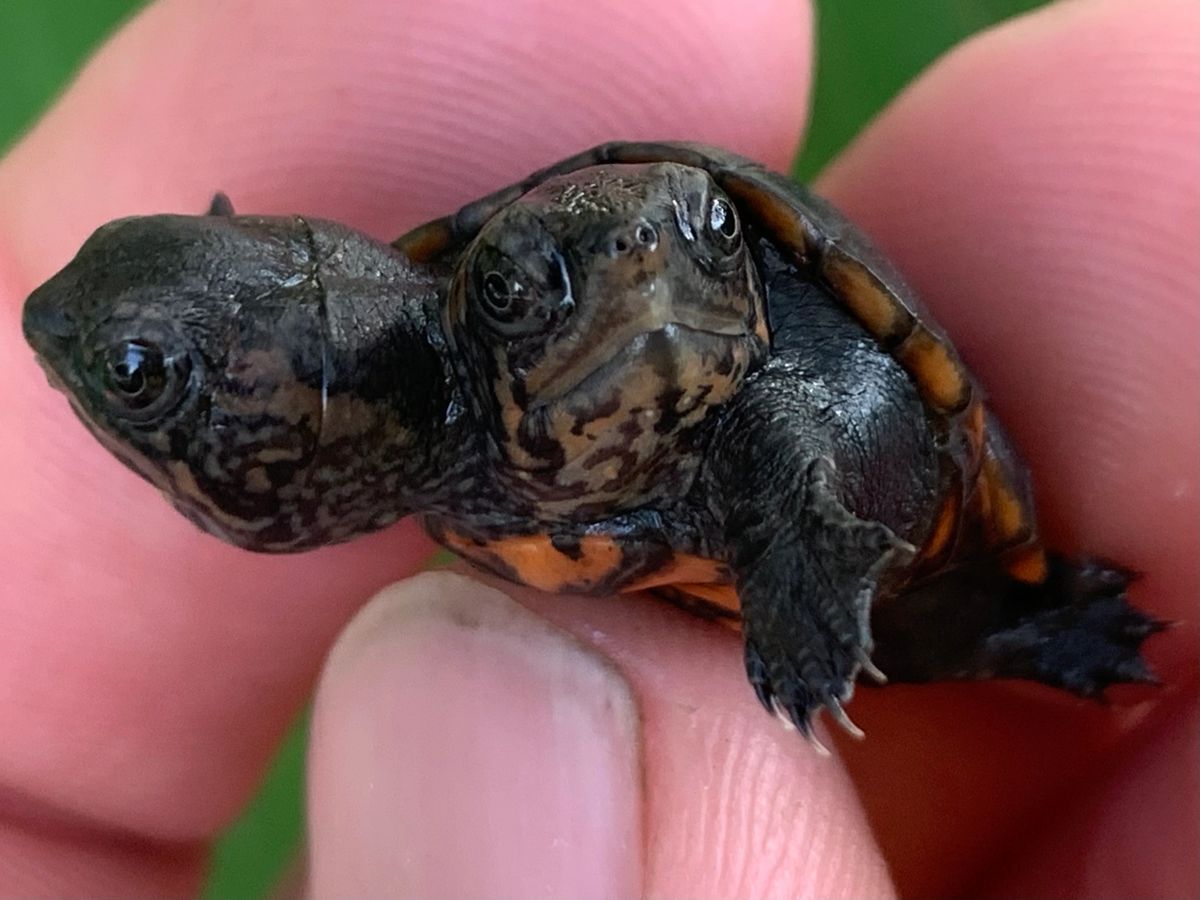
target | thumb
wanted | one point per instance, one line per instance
(462, 746)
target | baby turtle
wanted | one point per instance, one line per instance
(648, 367)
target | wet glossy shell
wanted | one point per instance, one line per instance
(823, 242)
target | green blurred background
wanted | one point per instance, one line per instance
(867, 51)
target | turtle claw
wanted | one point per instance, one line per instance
(799, 720)
(868, 667)
(796, 701)
(821, 749)
(784, 717)
(838, 712)
(1136, 671)
(803, 720)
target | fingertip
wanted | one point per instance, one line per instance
(424, 727)
(497, 751)
(735, 806)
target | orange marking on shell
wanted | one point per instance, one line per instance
(938, 374)
(1030, 567)
(461, 545)
(698, 577)
(684, 569)
(535, 561)
(1005, 512)
(871, 303)
(981, 501)
(722, 595)
(944, 529)
(778, 218)
(424, 243)
(976, 425)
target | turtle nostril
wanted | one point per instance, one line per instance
(641, 236)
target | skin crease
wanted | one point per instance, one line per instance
(1060, 259)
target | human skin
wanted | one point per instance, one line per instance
(1039, 187)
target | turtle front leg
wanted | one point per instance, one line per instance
(807, 572)
(806, 567)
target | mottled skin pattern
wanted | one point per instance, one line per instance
(270, 443)
(581, 428)
(649, 367)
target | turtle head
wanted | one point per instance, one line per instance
(201, 351)
(605, 313)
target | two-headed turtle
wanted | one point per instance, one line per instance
(651, 366)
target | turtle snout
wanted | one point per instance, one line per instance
(47, 322)
(639, 236)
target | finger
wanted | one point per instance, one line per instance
(44, 859)
(154, 662)
(1133, 833)
(1039, 187)
(451, 718)
(385, 115)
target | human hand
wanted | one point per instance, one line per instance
(1039, 187)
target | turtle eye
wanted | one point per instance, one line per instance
(141, 382)
(500, 295)
(516, 300)
(723, 224)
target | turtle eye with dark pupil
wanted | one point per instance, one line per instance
(140, 382)
(130, 379)
(137, 373)
(497, 292)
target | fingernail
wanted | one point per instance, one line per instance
(463, 747)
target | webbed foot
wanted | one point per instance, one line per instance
(1076, 630)
(1086, 637)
